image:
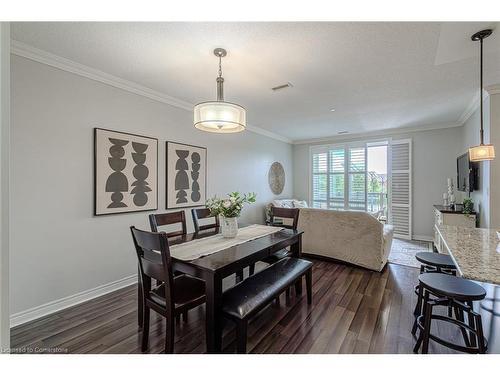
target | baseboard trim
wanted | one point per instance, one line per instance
(75, 299)
(423, 238)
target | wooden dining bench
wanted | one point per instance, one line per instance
(247, 298)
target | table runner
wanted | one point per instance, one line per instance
(205, 246)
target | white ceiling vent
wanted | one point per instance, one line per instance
(281, 87)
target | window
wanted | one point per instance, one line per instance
(357, 179)
(342, 178)
(320, 179)
(377, 155)
(328, 186)
(359, 176)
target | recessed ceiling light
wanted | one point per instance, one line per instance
(343, 132)
(332, 110)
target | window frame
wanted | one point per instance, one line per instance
(346, 146)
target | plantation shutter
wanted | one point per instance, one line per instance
(336, 179)
(401, 186)
(328, 177)
(320, 178)
(357, 179)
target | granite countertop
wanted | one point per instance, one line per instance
(449, 210)
(476, 252)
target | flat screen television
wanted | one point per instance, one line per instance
(467, 174)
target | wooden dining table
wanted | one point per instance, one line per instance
(213, 268)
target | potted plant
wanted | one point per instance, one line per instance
(468, 206)
(229, 209)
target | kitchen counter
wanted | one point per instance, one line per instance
(475, 251)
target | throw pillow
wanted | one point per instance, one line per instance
(300, 204)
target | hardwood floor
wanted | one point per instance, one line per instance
(353, 311)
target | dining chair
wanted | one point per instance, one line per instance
(175, 296)
(159, 220)
(168, 218)
(282, 213)
(203, 213)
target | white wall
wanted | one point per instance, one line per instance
(4, 186)
(58, 247)
(434, 159)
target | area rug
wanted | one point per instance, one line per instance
(403, 252)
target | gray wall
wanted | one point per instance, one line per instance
(5, 183)
(494, 121)
(434, 159)
(58, 247)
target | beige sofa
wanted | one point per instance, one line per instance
(350, 236)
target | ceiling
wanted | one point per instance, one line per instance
(377, 76)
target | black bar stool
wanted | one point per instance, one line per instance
(431, 262)
(458, 293)
(435, 262)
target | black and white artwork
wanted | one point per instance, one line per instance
(126, 172)
(186, 175)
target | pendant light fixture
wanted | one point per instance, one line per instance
(219, 116)
(481, 152)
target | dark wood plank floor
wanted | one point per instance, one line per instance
(353, 311)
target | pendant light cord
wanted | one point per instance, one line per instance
(481, 92)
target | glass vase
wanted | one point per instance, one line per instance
(229, 226)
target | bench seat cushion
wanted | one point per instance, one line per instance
(255, 292)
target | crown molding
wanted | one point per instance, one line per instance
(47, 58)
(470, 109)
(378, 133)
(493, 89)
(474, 103)
(269, 134)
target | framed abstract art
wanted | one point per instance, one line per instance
(186, 175)
(125, 172)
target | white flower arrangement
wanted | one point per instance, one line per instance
(231, 206)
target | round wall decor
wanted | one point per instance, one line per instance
(276, 178)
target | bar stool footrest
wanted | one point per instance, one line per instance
(448, 344)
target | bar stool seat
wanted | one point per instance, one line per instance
(452, 286)
(435, 259)
(433, 263)
(458, 294)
